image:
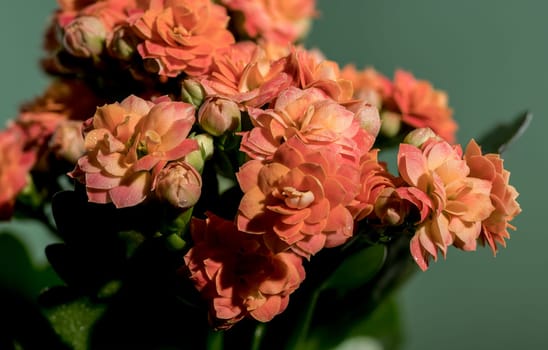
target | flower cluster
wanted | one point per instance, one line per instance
(152, 97)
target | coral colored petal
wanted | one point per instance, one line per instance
(131, 191)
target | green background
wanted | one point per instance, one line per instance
(490, 56)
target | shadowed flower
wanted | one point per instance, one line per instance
(67, 142)
(127, 145)
(503, 195)
(421, 106)
(282, 21)
(238, 275)
(299, 200)
(109, 12)
(85, 37)
(459, 203)
(182, 35)
(15, 164)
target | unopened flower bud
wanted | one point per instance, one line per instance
(368, 116)
(390, 123)
(179, 184)
(419, 136)
(192, 92)
(67, 141)
(122, 43)
(204, 152)
(217, 116)
(85, 37)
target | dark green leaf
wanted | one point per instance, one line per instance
(356, 269)
(74, 321)
(498, 139)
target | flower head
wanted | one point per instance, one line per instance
(282, 21)
(420, 105)
(299, 200)
(310, 115)
(503, 195)
(247, 74)
(182, 35)
(15, 164)
(459, 202)
(238, 275)
(128, 144)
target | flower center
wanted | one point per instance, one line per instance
(296, 199)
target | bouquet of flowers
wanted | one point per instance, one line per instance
(214, 183)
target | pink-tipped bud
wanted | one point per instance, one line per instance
(179, 184)
(390, 123)
(85, 37)
(419, 136)
(67, 141)
(192, 92)
(219, 115)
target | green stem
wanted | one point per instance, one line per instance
(298, 341)
(258, 336)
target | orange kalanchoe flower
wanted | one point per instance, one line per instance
(311, 115)
(503, 195)
(299, 200)
(421, 106)
(312, 69)
(246, 74)
(238, 275)
(282, 22)
(128, 144)
(182, 35)
(459, 202)
(368, 84)
(15, 164)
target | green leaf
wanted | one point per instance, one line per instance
(498, 139)
(356, 269)
(74, 321)
(384, 325)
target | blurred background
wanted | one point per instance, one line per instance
(490, 56)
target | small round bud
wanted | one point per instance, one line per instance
(419, 136)
(85, 37)
(179, 184)
(192, 92)
(217, 116)
(390, 123)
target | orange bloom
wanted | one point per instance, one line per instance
(368, 84)
(182, 35)
(128, 144)
(459, 202)
(299, 200)
(310, 115)
(421, 106)
(282, 21)
(15, 164)
(246, 74)
(311, 69)
(110, 12)
(238, 275)
(503, 195)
